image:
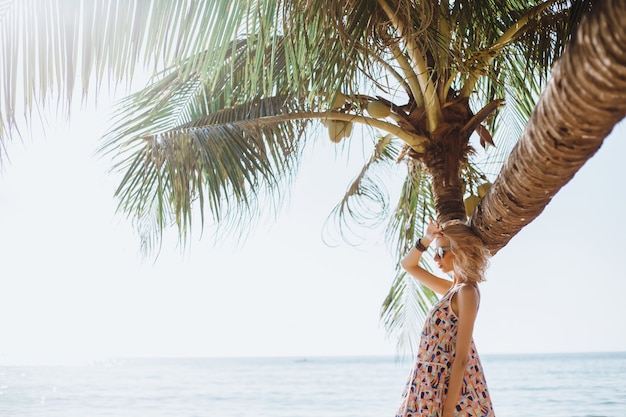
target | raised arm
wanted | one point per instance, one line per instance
(411, 260)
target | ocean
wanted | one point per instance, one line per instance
(556, 385)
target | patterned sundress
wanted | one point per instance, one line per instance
(427, 386)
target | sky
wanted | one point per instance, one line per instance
(74, 287)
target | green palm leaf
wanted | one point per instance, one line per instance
(227, 162)
(365, 204)
(69, 45)
(407, 303)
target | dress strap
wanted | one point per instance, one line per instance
(453, 289)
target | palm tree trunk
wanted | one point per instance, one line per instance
(447, 191)
(584, 100)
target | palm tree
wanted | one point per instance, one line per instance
(241, 85)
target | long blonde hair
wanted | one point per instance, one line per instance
(471, 257)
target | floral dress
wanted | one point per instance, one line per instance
(427, 387)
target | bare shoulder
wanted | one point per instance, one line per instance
(468, 288)
(468, 293)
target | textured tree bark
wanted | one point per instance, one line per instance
(448, 195)
(442, 159)
(584, 100)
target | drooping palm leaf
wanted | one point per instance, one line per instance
(404, 309)
(365, 204)
(224, 166)
(60, 46)
(407, 302)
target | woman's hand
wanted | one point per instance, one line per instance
(433, 230)
(411, 261)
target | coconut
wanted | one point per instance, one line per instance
(378, 110)
(339, 101)
(471, 203)
(347, 130)
(336, 130)
(483, 189)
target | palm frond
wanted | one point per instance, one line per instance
(218, 130)
(365, 203)
(520, 73)
(324, 47)
(235, 101)
(224, 165)
(414, 208)
(407, 303)
(52, 48)
(404, 310)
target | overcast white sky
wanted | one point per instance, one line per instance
(73, 286)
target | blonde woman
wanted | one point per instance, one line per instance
(447, 379)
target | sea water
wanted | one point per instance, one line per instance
(571, 385)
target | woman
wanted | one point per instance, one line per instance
(447, 379)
